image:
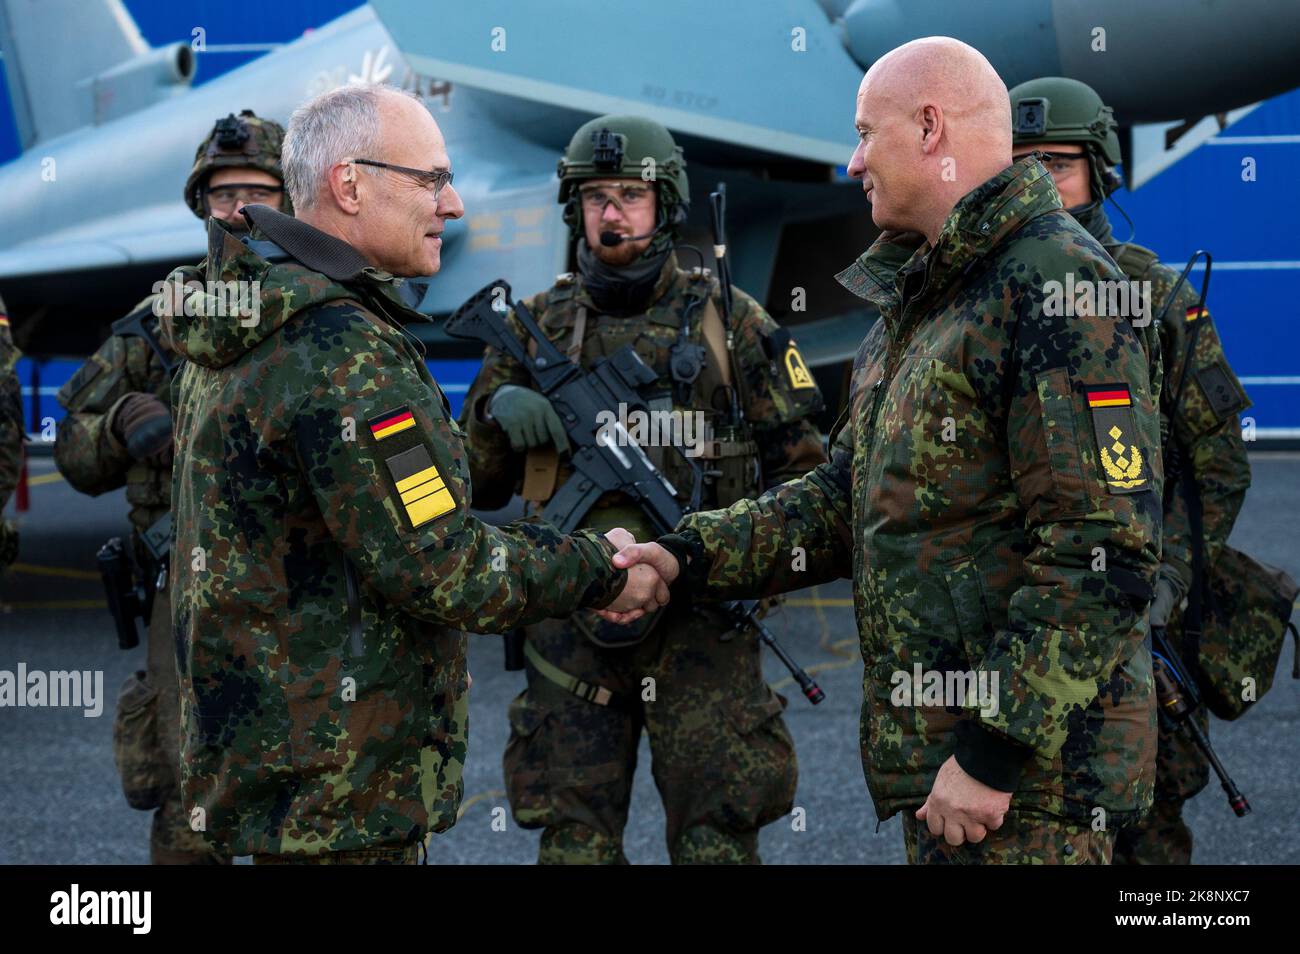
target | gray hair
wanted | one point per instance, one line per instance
(339, 124)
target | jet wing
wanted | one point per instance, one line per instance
(152, 236)
(712, 70)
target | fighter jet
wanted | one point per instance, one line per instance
(761, 96)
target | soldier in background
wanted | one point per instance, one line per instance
(118, 430)
(723, 760)
(1067, 120)
(11, 438)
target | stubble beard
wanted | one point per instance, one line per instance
(621, 255)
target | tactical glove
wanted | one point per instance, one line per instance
(143, 423)
(527, 418)
(1163, 604)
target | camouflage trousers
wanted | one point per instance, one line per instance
(1161, 837)
(146, 742)
(722, 759)
(1022, 840)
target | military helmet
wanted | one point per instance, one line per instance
(241, 142)
(622, 147)
(1057, 109)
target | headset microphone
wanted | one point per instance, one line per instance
(611, 239)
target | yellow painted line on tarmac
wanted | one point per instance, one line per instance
(44, 479)
(470, 802)
(819, 667)
(818, 603)
(465, 805)
(60, 604)
(31, 569)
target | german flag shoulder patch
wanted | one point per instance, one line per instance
(391, 422)
(1123, 462)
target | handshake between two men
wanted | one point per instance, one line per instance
(651, 570)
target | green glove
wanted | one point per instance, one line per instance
(527, 418)
(1166, 598)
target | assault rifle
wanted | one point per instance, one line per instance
(605, 457)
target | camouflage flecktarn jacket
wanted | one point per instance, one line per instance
(998, 484)
(322, 535)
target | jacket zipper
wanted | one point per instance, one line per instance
(354, 606)
(878, 390)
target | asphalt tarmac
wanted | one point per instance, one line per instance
(61, 802)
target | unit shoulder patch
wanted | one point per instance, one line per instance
(783, 353)
(1123, 462)
(1220, 389)
(796, 369)
(71, 395)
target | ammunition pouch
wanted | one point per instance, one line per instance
(136, 746)
(732, 468)
(1244, 625)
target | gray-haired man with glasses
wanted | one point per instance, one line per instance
(320, 474)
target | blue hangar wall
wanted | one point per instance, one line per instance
(1201, 202)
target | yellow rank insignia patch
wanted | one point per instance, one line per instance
(1123, 462)
(422, 494)
(796, 369)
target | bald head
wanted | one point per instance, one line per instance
(934, 122)
(942, 71)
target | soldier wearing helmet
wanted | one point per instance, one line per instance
(1200, 401)
(237, 165)
(723, 760)
(118, 430)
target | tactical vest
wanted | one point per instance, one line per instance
(727, 454)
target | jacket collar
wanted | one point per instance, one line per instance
(978, 223)
(325, 253)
